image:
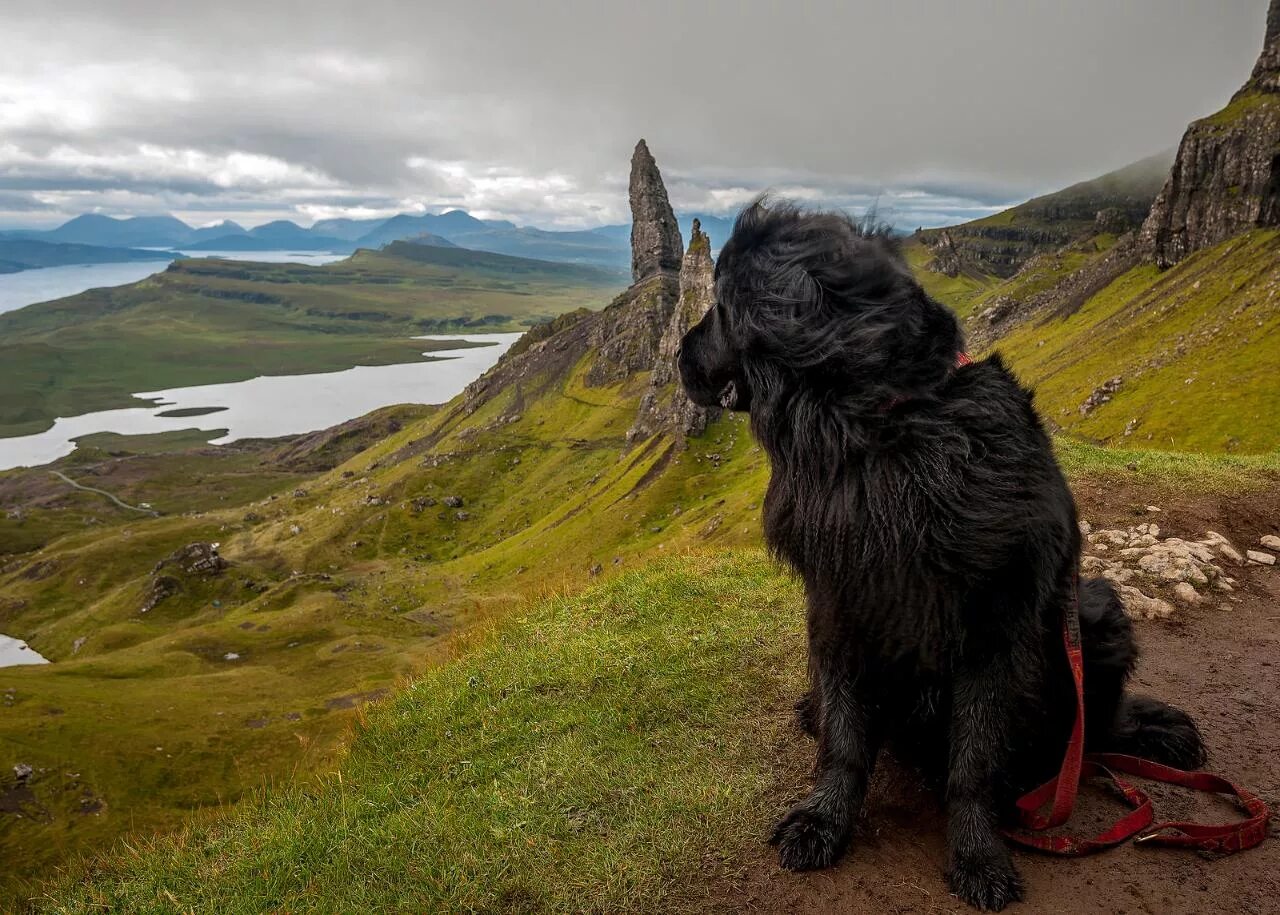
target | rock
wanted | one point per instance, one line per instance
(1226, 177)
(1259, 557)
(665, 405)
(1230, 552)
(1270, 541)
(453, 501)
(1086, 528)
(655, 236)
(22, 772)
(1185, 593)
(1141, 606)
(462, 516)
(195, 559)
(1101, 394)
(1153, 508)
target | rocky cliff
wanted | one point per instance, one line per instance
(1000, 245)
(1226, 177)
(664, 405)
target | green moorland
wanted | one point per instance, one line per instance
(1196, 345)
(209, 321)
(597, 752)
(344, 584)
(519, 771)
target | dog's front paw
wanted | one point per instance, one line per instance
(987, 881)
(807, 840)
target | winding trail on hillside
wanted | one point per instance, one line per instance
(102, 492)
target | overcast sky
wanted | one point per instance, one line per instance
(527, 110)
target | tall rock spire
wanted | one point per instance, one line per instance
(665, 405)
(1226, 178)
(655, 236)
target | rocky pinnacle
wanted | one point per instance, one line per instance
(1266, 72)
(655, 237)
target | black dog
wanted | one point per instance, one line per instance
(923, 508)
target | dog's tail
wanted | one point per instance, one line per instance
(1118, 721)
(1157, 731)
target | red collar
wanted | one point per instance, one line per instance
(962, 359)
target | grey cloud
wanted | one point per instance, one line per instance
(937, 108)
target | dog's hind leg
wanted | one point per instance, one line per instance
(1116, 722)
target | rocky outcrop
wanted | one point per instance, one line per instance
(620, 341)
(655, 237)
(1060, 299)
(1226, 177)
(664, 405)
(1155, 575)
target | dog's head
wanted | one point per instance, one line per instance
(817, 302)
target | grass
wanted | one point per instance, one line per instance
(1194, 345)
(592, 756)
(210, 321)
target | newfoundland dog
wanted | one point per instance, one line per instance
(919, 500)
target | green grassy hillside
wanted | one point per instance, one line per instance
(574, 760)
(208, 321)
(1196, 346)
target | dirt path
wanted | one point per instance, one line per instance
(1223, 665)
(102, 492)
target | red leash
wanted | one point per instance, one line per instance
(1062, 789)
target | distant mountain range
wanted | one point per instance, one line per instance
(606, 246)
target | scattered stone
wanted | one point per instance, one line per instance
(1101, 394)
(462, 516)
(1153, 508)
(1270, 541)
(1259, 557)
(1185, 593)
(299, 493)
(295, 529)
(231, 656)
(22, 772)
(453, 501)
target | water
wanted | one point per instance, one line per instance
(14, 652)
(17, 290)
(273, 405)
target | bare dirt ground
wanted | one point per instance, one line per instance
(1222, 665)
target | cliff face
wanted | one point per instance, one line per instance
(1226, 177)
(1000, 245)
(655, 237)
(664, 405)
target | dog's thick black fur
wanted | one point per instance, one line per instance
(922, 506)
